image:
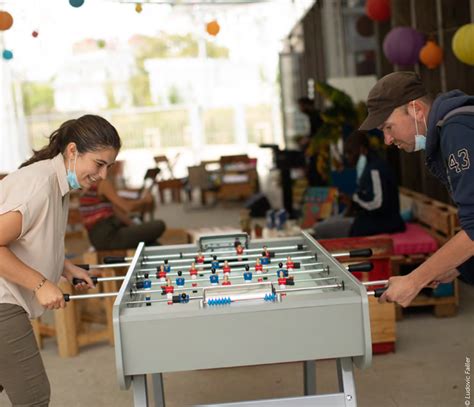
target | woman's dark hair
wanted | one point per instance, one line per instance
(88, 132)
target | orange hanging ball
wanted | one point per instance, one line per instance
(431, 54)
(6, 20)
(213, 28)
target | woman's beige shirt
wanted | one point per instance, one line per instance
(40, 193)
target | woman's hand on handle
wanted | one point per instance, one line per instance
(50, 296)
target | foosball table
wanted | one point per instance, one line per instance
(228, 301)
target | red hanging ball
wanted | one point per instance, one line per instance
(378, 10)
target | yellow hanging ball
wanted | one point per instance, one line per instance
(463, 44)
(213, 28)
(138, 8)
(6, 20)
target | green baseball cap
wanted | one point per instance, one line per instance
(393, 90)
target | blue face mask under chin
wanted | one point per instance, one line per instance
(360, 166)
(71, 175)
(420, 139)
(420, 142)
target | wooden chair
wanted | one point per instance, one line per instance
(168, 182)
(199, 178)
(73, 324)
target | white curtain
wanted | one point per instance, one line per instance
(14, 142)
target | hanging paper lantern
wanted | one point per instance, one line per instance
(6, 20)
(431, 54)
(378, 10)
(7, 54)
(365, 26)
(213, 28)
(76, 3)
(138, 8)
(34, 33)
(402, 45)
(463, 44)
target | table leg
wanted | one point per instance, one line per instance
(345, 376)
(309, 377)
(158, 390)
(140, 396)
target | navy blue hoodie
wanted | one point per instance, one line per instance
(449, 155)
(376, 196)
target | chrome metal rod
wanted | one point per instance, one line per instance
(234, 275)
(187, 262)
(221, 260)
(376, 282)
(183, 289)
(250, 263)
(200, 297)
(86, 296)
(320, 287)
(181, 255)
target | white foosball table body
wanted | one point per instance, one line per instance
(305, 325)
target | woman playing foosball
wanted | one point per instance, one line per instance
(34, 204)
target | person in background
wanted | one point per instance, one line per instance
(413, 120)
(374, 208)
(107, 218)
(307, 107)
(34, 204)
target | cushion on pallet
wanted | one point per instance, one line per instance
(414, 240)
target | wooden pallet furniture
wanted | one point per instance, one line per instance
(239, 178)
(441, 222)
(382, 316)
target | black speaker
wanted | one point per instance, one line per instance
(258, 205)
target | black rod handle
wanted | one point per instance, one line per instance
(66, 297)
(83, 266)
(76, 280)
(114, 259)
(366, 266)
(360, 253)
(379, 291)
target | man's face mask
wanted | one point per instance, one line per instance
(420, 139)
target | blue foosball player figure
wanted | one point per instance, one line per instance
(180, 280)
(147, 286)
(215, 262)
(281, 270)
(248, 277)
(167, 267)
(214, 278)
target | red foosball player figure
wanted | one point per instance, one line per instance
(226, 280)
(282, 281)
(289, 263)
(161, 274)
(226, 267)
(169, 290)
(239, 249)
(193, 272)
(265, 256)
(258, 269)
(200, 258)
